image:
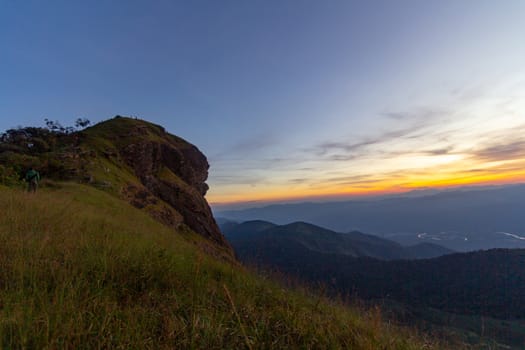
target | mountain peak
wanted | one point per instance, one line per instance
(137, 161)
(304, 227)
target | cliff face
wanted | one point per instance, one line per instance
(174, 171)
(169, 169)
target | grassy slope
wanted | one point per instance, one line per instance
(82, 269)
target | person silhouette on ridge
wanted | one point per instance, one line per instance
(32, 178)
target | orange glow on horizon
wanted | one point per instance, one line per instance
(377, 189)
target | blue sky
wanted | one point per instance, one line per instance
(286, 98)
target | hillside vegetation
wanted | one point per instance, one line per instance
(80, 268)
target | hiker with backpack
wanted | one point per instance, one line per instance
(32, 178)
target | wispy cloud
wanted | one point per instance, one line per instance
(246, 147)
(438, 151)
(377, 148)
(420, 124)
(427, 114)
(298, 181)
(502, 151)
(347, 150)
(349, 146)
(238, 179)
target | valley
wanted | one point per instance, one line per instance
(476, 295)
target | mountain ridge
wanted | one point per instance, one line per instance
(250, 237)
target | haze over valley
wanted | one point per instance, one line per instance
(461, 219)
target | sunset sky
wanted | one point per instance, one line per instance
(288, 99)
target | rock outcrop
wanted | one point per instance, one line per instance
(170, 170)
(176, 174)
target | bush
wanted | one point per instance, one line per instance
(9, 177)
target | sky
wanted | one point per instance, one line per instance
(289, 100)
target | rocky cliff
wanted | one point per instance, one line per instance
(139, 162)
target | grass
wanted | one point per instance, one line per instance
(482, 332)
(81, 269)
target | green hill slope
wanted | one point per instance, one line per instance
(83, 269)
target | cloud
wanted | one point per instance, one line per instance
(247, 147)
(395, 115)
(504, 168)
(443, 151)
(427, 114)
(424, 124)
(326, 147)
(251, 180)
(342, 157)
(349, 178)
(357, 148)
(501, 152)
(298, 181)
(354, 151)
(359, 183)
(438, 151)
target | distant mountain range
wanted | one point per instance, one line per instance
(462, 220)
(253, 238)
(490, 283)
